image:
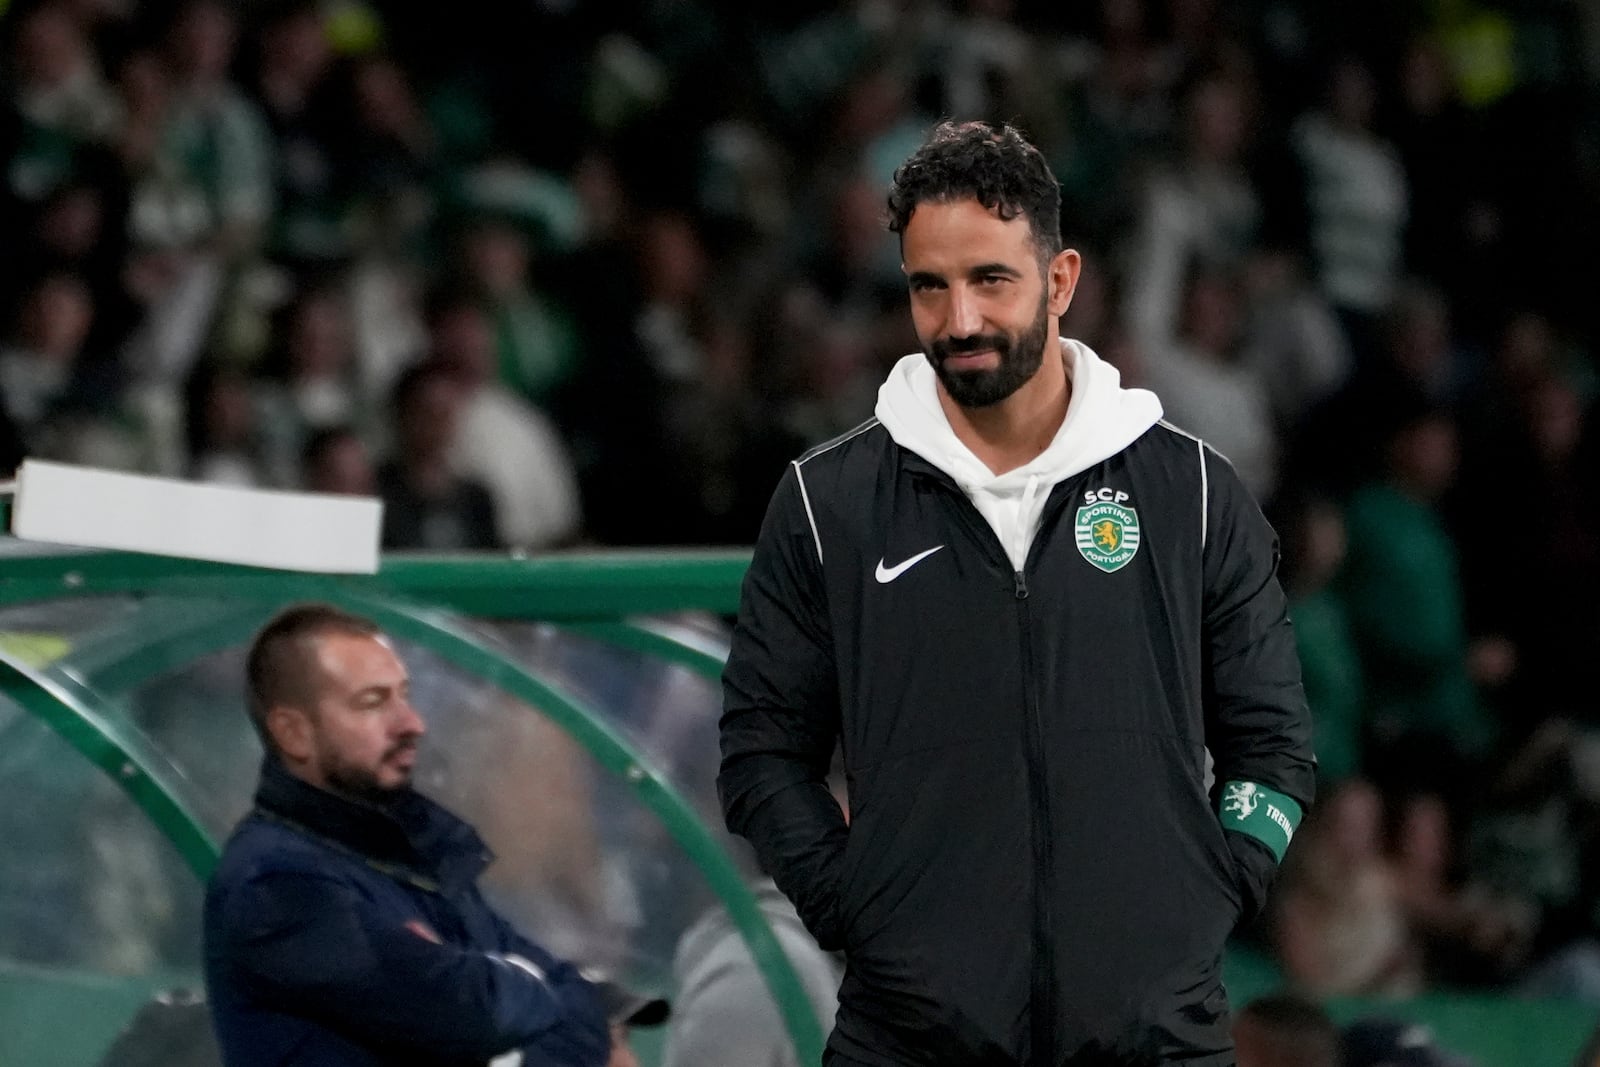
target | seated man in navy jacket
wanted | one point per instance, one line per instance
(343, 924)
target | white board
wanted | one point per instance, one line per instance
(68, 505)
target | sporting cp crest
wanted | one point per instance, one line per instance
(1108, 534)
(1240, 800)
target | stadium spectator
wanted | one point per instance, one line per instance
(220, 143)
(293, 79)
(1526, 433)
(44, 360)
(1202, 209)
(1428, 725)
(1314, 540)
(427, 504)
(225, 442)
(308, 379)
(1340, 925)
(336, 461)
(60, 98)
(1293, 341)
(535, 337)
(1470, 936)
(503, 442)
(1357, 194)
(1455, 228)
(1417, 363)
(1209, 388)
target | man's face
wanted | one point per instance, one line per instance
(430, 418)
(362, 734)
(344, 468)
(979, 301)
(463, 339)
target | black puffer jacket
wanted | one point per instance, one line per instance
(1037, 868)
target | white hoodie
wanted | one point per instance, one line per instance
(1102, 419)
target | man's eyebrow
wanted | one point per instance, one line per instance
(994, 268)
(923, 277)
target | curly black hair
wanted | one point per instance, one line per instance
(994, 165)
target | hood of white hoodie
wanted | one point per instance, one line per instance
(1102, 419)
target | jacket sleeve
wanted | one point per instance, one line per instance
(723, 1015)
(1258, 727)
(310, 944)
(580, 996)
(780, 717)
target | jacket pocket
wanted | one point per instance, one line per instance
(854, 881)
(1226, 868)
(1189, 1016)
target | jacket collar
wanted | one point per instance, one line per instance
(920, 465)
(412, 831)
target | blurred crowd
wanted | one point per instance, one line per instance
(579, 272)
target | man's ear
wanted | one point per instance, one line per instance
(290, 730)
(1062, 279)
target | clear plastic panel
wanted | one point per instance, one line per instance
(583, 865)
(40, 633)
(580, 859)
(649, 891)
(195, 718)
(97, 909)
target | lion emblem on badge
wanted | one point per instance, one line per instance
(1240, 799)
(1108, 535)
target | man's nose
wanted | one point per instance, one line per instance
(411, 723)
(966, 318)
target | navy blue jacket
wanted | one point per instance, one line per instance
(340, 934)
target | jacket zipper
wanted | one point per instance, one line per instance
(1042, 977)
(1041, 992)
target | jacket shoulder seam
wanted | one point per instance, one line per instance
(1201, 448)
(800, 477)
(828, 446)
(805, 498)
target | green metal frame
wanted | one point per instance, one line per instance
(162, 636)
(616, 755)
(578, 591)
(641, 636)
(80, 717)
(560, 588)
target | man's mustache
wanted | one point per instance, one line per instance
(400, 748)
(946, 347)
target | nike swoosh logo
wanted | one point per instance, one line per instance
(886, 575)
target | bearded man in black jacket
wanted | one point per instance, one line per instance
(1046, 629)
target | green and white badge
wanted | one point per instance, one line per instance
(1265, 814)
(1107, 533)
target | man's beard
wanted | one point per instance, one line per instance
(1020, 357)
(359, 783)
